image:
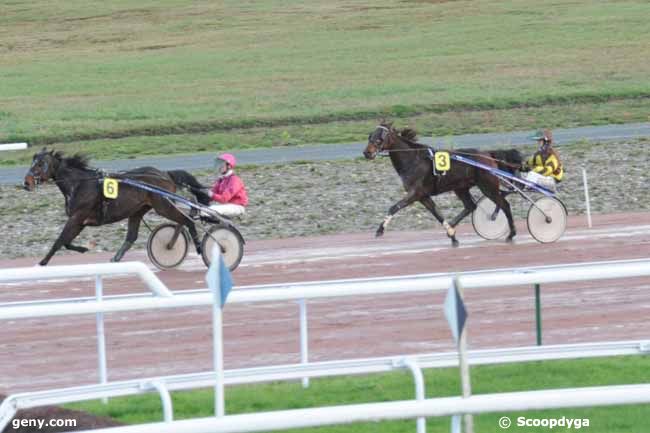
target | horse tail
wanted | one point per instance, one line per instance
(509, 160)
(184, 179)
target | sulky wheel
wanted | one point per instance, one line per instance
(486, 224)
(547, 219)
(162, 252)
(230, 241)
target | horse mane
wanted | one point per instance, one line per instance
(78, 160)
(410, 136)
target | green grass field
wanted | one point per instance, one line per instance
(126, 77)
(399, 386)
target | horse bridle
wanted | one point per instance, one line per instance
(30, 172)
(383, 136)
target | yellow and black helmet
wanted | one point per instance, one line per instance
(543, 134)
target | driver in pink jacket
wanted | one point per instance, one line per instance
(228, 191)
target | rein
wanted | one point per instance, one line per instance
(502, 161)
(386, 153)
(101, 174)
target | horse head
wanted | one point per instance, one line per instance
(42, 169)
(380, 140)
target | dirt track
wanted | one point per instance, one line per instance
(41, 354)
(325, 198)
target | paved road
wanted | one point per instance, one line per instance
(318, 152)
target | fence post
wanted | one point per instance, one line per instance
(166, 400)
(538, 313)
(304, 340)
(464, 366)
(101, 337)
(217, 332)
(418, 378)
(587, 203)
(456, 424)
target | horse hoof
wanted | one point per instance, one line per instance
(510, 240)
(379, 233)
(83, 250)
(455, 243)
(42, 263)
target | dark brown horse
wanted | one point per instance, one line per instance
(85, 204)
(414, 165)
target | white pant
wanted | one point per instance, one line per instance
(229, 210)
(547, 182)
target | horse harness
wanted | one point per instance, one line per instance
(30, 172)
(431, 152)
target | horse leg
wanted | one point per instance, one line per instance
(469, 206)
(428, 203)
(468, 203)
(167, 210)
(494, 215)
(406, 201)
(431, 206)
(76, 248)
(131, 234)
(70, 231)
(502, 204)
(194, 235)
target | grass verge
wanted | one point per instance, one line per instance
(399, 386)
(428, 124)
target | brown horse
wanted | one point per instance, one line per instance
(414, 165)
(85, 204)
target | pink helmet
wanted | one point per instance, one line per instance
(229, 158)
